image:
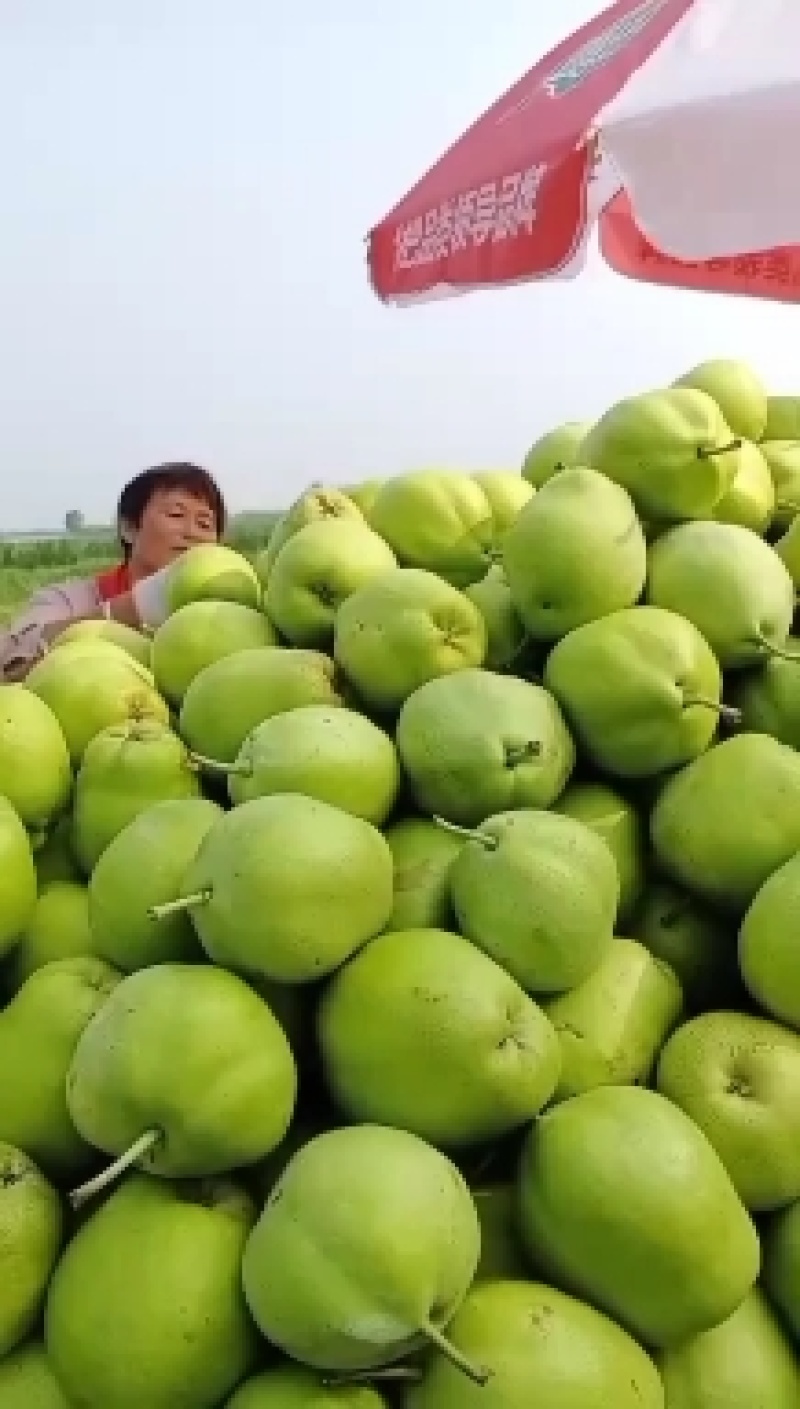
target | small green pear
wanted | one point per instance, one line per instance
(136, 643)
(287, 887)
(612, 1026)
(726, 821)
(416, 1000)
(617, 821)
(184, 1071)
(670, 449)
(125, 769)
(321, 751)
(625, 1202)
(697, 943)
(31, 1234)
(292, 1387)
(18, 882)
(505, 633)
(768, 697)
(538, 892)
(143, 867)
(27, 1380)
(768, 943)
(318, 502)
(35, 768)
(229, 698)
(729, 583)
(365, 1250)
(783, 462)
(747, 1362)
(507, 492)
(738, 1077)
(316, 570)
(58, 929)
(212, 571)
(543, 1350)
(575, 552)
(404, 629)
(641, 690)
(146, 1306)
(438, 520)
(89, 688)
(476, 742)
(781, 1276)
(39, 1030)
(200, 633)
(554, 451)
(422, 853)
(750, 501)
(738, 391)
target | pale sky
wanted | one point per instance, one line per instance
(186, 188)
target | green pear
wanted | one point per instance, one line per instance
(543, 1350)
(184, 1070)
(200, 633)
(738, 1077)
(322, 751)
(292, 1387)
(146, 1306)
(316, 570)
(768, 944)
(750, 501)
(612, 1026)
(422, 853)
(17, 878)
(364, 1251)
(747, 1362)
(697, 943)
(476, 742)
(136, 643)
(782, 1266)
(125, 769)
(768, 698)
(783, 463)
(575, 552)
(538, 892)
(319, 502)
(364, 494)
(507, 492)
(54, 858)
(640, 689)
(143, 867)
(404, 629)
(31, 1234)
(729, 583)
(27, 1380)
(783, 418)
(413, 1001)
(287, 887)
(670, 449)
(554, 451)
(788, 550)
(501, 1250)
(58, 929)
(35, 768)
(505, 633)
(438, 520)
(212, 571)
(229, 698)
(39, 1030)
(617, 821)
(738, 391)
(727, 820)
(624, 1202)
(88, 689)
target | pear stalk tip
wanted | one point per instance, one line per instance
(477, 1373)
(108, 1176)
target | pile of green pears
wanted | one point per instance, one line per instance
(400, 947)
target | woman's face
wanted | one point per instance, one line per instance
(173, 521)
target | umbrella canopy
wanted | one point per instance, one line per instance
(670, 123)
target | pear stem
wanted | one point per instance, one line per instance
(726, 712)
(705, 454)
(183, 902)
(467, 833)
(112, 1172)
(400, 1374)
(477, 1374)
(520, 753)
(787, 504)
(212, 765)
(773, 650)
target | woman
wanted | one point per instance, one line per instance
(161, 513)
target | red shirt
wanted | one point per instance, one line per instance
(114, 583)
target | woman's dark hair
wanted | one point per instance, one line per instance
(138, 492)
